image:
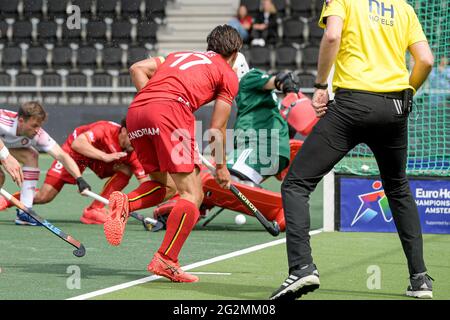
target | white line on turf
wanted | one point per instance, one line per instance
(188, 267)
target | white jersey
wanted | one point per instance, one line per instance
(8, 133)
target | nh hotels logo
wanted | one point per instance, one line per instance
(380, 8)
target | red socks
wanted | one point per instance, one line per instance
(180, 223)
(116, 183)
(148, 194)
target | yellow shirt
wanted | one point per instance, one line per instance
(375, 37)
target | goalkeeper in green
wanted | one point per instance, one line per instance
(261, 135)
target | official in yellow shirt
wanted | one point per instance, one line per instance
(367, 41)
(375, 37)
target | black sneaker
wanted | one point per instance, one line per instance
(421, 287)
(299, 282)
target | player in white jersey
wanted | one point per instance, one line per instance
(23, 135)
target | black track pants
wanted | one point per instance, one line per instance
(353, 118)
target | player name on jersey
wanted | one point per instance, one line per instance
(143, 132)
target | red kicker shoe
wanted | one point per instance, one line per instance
(4, 204)
(94, 215)
(116, 222)
(169, 269)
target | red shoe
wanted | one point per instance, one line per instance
(94, 215)
(4, 204)
(169, 269)
(115, 224)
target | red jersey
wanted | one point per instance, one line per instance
(103, 135)
(193, 78)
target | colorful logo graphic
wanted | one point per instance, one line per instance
(364, 205)
(372, 204)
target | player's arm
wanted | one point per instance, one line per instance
(218, 127)
(137, 169)
(83, 146)
(423, 63)
(329, 48)
(270, 85)
(143, 70)
(257, 80)
(70, 165)
(10, 164)
(420, 51)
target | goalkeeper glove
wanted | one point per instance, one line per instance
(284, 81)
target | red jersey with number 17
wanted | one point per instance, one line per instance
(193, 78)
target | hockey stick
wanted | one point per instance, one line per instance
(272, 227)
(148, 223)
(212, 217)
(80, 250)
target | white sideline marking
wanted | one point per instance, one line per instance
(185, 268)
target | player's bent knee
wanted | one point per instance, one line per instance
(44, 197)
(194, 197)
(197, 198)
(170, 192)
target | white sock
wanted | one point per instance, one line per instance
(31, 178)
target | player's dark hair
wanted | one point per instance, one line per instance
(123, 123)
(32, 109)
(224, 40)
